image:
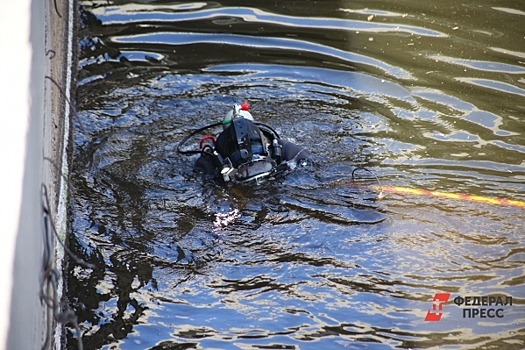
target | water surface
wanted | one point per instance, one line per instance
(424, 96)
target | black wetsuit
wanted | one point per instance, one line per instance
(245, 142)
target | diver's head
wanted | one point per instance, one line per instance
(238, 111)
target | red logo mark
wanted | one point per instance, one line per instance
(437, 305)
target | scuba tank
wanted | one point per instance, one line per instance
(238, 111)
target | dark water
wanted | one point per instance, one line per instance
(426, 96)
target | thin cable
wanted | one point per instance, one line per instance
(379, 186)
(50, 277)
(72, 255)
(69, 102)
(190, 135)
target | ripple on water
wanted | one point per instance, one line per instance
(314, 260)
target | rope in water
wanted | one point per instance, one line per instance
(458, 196)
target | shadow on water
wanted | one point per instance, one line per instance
(314, 260)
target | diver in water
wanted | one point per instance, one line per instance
(245, 150)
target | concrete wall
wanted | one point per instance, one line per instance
(35, 80)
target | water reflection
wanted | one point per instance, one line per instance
(314, 260)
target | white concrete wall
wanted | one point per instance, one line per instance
(32, 128)
(16, 150)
